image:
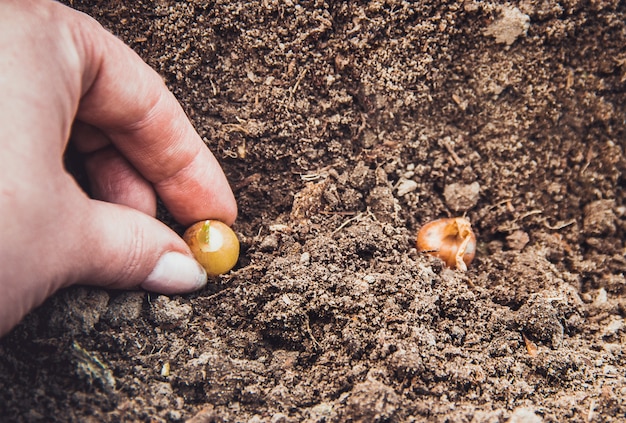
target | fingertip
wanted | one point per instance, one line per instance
(175, 273)
(123, 248)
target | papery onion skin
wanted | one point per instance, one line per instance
(452, 240)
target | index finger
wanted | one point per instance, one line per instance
(130, 103)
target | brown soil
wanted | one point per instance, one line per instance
(343, 127)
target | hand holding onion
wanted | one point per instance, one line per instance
(63, 73)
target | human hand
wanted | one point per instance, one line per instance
(61, 72)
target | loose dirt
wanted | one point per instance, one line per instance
(344, 127)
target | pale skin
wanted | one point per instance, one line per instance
(62, 77)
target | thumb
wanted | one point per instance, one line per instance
(126, 249)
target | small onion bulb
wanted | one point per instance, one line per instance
(214, 245)
(452, 240)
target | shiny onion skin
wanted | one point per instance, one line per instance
(452, 240)
(214, 245)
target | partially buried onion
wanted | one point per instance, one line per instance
(452, 240)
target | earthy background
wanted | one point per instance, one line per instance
(343, 127)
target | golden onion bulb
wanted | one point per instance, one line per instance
(214, 245)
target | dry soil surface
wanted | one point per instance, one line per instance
(344, 127)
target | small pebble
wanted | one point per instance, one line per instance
(170, 312)
(517, 240)
(462, 197)
(269, 243)
(524, 415)
(278, 418)
(405, 186)
(125, 308)
(599, 218)
(614, 327)
(601, 298)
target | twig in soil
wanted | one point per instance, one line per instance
(511, 226)
(559, 225)
(309, 177)
(373, 216)
(213, 87)
(447, 143)
(528, 214)
(305, 319)
(248, 180)
(232, 127)
(299, 80)
(592, 409)
(357, 218)
(588, 159)
(293, 89)
(347, 222)
(506, 202)
(338, 213)
(217, 294)
(307, 327)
